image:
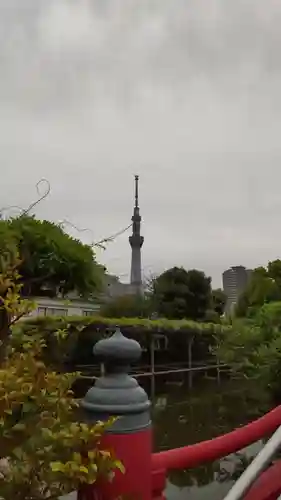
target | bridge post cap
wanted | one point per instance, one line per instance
(116, 393)
(118, 349)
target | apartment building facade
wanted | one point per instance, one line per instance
(234, 281)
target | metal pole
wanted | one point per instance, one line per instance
(257, 466)
(152, 364)
(190, 374)
(218, 373)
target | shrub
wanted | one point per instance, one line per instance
(253, 348)
(85, 331)
(139, 326)
(45, 452)
(130, 306)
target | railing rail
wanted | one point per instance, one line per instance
(257, 466)
(137, 374)
(177, 365)
(180, 370)
(217, 448)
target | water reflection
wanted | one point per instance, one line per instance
(181, 417)
(213, 490)
(211, 481)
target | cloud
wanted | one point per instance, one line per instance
(187, 94)
(70, 28)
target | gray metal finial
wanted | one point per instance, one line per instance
(117, 351)
(117, 393)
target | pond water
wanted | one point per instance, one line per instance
(182, 416)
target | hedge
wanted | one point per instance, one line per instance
(84, 332)
(137, 325)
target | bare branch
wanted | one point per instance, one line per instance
(25, 211)
(68, 223)
(41, 197)
(100, 243)
(111, 238)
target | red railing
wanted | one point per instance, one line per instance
(214, 449)
(268, 486)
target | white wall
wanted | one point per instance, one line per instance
(61, 307)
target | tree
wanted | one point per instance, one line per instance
(127, 306)
(48, 261)
(261, 289)
(252, 348)
(274, 271)
(218, 301)
(51, 261)
(179, 294)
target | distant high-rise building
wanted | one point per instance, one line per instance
(234, 281)
(136, 242)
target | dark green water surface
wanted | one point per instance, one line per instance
(182, 417)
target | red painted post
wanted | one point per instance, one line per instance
(118, 394)
(134, 451)
(158, 484)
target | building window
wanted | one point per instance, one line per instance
(41, 311)
(51, 311)
(88, 313)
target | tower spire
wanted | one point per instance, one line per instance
(136, 242)
(136, 191)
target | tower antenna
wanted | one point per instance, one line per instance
(136, 191)
(136, 242)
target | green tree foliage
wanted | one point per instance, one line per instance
(274, 271)
(253, 348)
(179, 294)
(44, 451)
(48, 261)
(264, 287)
(218, 301)
(127, 306)
(51, 261)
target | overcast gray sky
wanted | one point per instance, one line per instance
(187, 93)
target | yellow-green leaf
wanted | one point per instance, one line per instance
(119, 466)
(82, 468)
(57, 467)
